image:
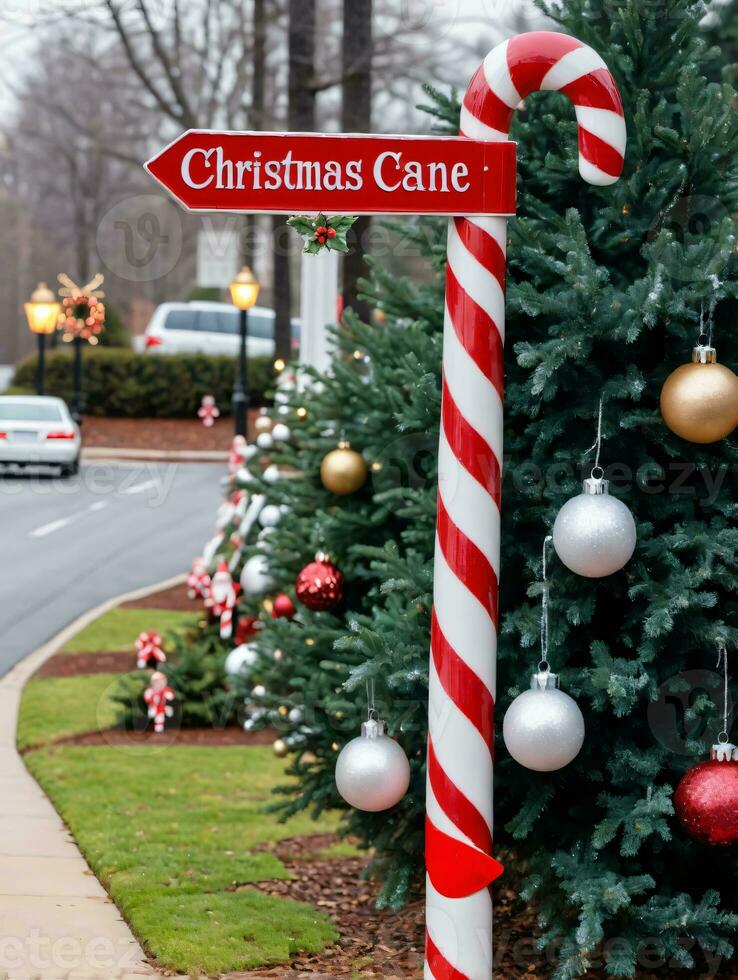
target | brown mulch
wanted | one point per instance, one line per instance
(231, 737)
(372, 944)
(389, 945)
(162, 434)
(73, 664)
(377, 944)
(175, 599)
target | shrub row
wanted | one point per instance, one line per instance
(121, 383)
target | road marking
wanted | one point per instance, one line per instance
(41, 532)
(45, 529)
(140, 487)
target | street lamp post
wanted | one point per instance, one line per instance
(244, 293)
(77, 381)
(42, 313)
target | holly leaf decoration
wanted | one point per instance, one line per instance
(322, 232)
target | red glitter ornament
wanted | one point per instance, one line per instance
(706, 800)
(283, 607)
(319, 585)
(248, 627)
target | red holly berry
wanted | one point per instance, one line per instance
(321, 239)
(331, 232)
(321, 231)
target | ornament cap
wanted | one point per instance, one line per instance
(374, 728)
(704, 354)
(724, 752)
(595, 485)
(544, 679)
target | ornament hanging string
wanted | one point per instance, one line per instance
(723, 658)
(371, 707)
(544, 664)
(597, 444)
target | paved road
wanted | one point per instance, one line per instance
(70, 544)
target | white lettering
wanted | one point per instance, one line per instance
(188, 158)
(353, 174)
(379, 163)
(457, 171)
(413, 179)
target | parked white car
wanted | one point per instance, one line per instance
(38, 430)
(208, 328)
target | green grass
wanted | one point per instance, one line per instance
(118, 629)
(57, 707)
(176, 835)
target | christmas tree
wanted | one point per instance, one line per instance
(607, 291)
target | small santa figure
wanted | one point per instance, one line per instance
(221, 600)
(149, 651)
(158, 696)
(208, 411)
(198, 580)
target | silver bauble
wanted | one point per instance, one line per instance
(296, 716)
(281, 432)
(240, 657)
(270, 515)
(372, 771)
(255, 577)
(264, 440)
(271, 474)
(594, 534)
(543, 727)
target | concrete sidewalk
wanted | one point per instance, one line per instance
(57, 922)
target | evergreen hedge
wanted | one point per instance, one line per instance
(121, 383)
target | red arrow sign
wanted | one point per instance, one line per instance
(288, 173)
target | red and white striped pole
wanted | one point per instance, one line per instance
(459, 811)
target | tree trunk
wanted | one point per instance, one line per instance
(300, 119)
(356, 117)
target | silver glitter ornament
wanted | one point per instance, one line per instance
(372, 772)
(239, 658)
(594, 534)
(255, 577)
(270, 515)
(543, 727)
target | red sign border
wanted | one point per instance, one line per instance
(405, 137)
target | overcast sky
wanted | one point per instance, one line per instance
(462, 18)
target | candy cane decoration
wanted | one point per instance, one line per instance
(149, 648)
(198, 580)
(459, 811)
(221, 599)
(158, 697)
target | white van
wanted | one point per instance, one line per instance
(208, 328)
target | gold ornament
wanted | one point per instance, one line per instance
(699, 401)
(343, 470)
(262, 424)
(279, 748)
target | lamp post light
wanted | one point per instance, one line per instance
(244, 293)
(42, 313)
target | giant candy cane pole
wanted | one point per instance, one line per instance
(464, 630)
